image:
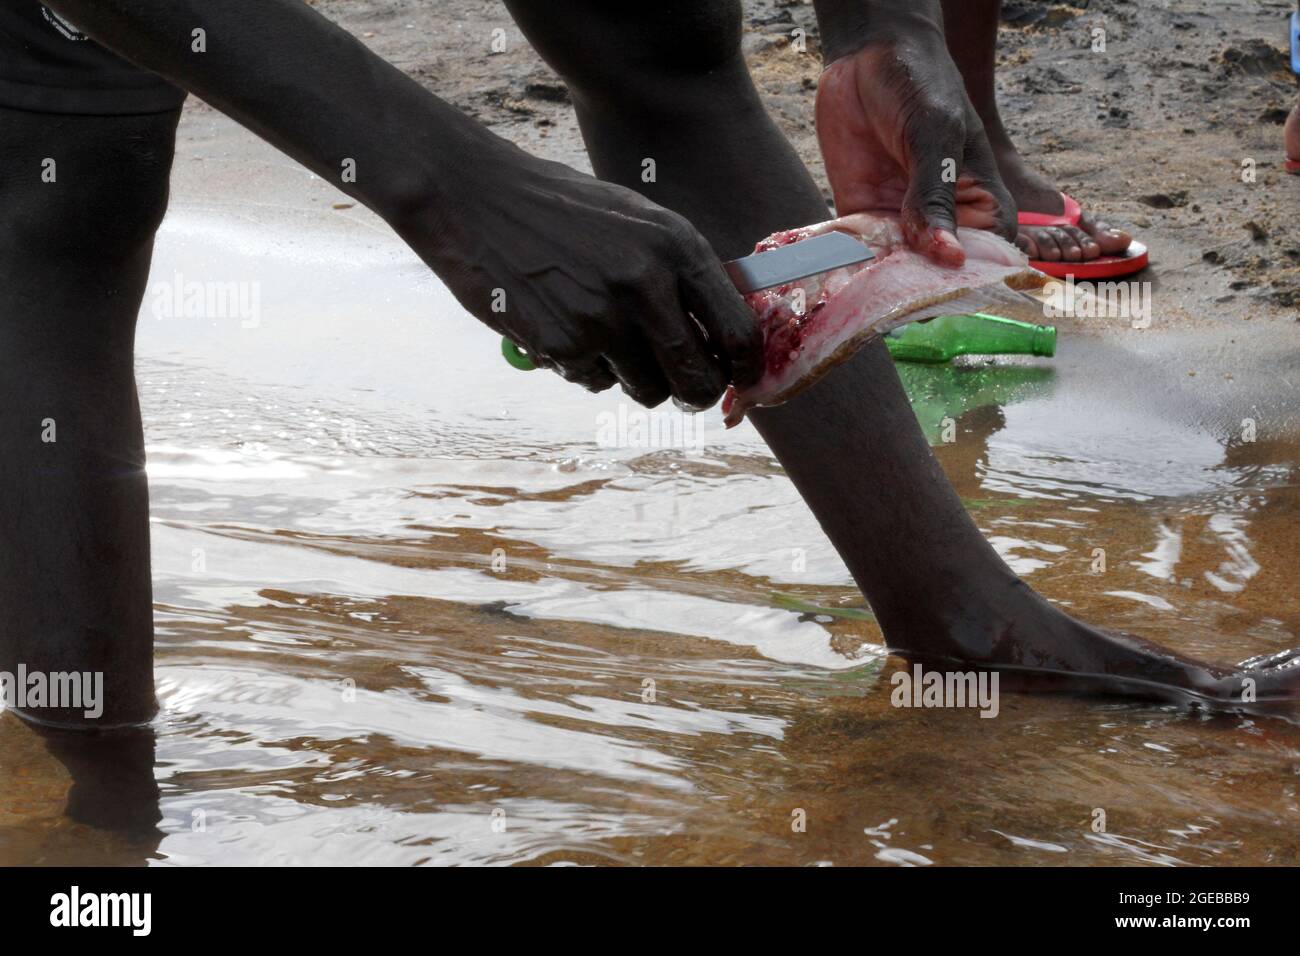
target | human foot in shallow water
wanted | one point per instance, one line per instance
(1037, 647)
(942, 595)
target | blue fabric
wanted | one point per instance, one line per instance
(1295, 42)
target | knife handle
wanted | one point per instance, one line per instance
(516, 356)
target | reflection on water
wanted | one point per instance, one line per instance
(410, 611)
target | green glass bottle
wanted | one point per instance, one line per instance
(942, 339)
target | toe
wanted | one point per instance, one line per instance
(1069, 239)
(1288, 658)
(1088, 247)
(1048, 250)
(1272, 676)
(1110, 241)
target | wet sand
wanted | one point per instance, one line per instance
(409, 599)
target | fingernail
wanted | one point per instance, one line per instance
(946, 247)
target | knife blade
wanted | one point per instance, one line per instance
(798, 260)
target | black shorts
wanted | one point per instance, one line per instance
(48, 66)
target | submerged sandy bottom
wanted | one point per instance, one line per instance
(409, 599)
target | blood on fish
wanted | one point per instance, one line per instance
(852, 305)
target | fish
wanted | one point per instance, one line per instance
(812, 325)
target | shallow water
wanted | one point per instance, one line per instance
(409, 601)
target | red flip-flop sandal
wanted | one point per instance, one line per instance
(1292, 165)
(1133, 260)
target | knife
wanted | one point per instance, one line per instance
(763, 270)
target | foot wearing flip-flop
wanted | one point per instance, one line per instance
(1059, 237)
(1088, 240)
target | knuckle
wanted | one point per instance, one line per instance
(648, 397)
(702, 391)
(952, 121)
(939, 121)
(676, 232)
(938, 198)
(570, 348)
(697, 400)
(644, 281)
(679, 349)
(949, 120)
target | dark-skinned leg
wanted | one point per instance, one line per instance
(971, 27)
(676, 90)
(74, 513)
(1291, 134)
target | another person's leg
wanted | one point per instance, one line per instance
(971, 27)
(1292, 131)
(1292, 139)
(80, 198)
(650, 87)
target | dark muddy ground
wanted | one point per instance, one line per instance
(1154, 132)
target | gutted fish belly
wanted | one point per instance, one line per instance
(812, 325)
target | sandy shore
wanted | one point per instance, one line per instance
(1153, 133)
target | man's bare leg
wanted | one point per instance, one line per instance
(676, 90)
(80, 198)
